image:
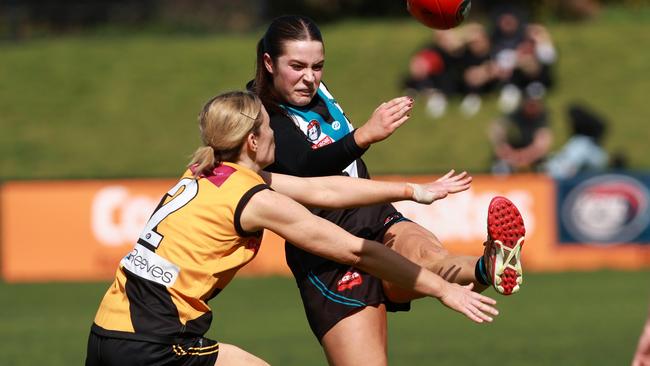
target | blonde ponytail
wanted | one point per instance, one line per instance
(203, 160)
(225, 122)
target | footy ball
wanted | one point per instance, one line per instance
(439, 14)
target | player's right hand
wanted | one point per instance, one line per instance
(449, 183)
(473, 305)
(387, 118)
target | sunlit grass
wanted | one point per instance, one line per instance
(557, 319)
(123, 106)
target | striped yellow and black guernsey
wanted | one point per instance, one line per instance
(190, 249)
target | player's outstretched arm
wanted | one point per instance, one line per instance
(345, 192)
(440, 188)
(276, 212)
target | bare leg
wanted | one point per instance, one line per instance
(233, 355)
(422, 247)
(359, 339)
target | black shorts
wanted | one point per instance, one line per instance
(106, 351)
(331, 291)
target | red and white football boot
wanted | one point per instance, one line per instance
(502, 254)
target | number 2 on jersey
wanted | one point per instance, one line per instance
(190, 189)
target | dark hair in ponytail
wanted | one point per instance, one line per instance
(281, 30)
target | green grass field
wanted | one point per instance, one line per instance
(567, 319)
(113, 106)
(126, 105)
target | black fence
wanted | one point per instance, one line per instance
(29, 18)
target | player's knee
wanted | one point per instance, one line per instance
(433, 253)
(232, 355)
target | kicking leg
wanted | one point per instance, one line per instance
(359, 339)
(423, 247)
(500, 265)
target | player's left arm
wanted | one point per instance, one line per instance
(334, 192)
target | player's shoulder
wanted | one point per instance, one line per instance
(234, 175)
(265, 204)
(278, 118)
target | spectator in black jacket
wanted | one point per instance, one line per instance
(521, 140)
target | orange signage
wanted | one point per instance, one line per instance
(459, 221)
(79, 230)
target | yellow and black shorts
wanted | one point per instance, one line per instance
(109, 351)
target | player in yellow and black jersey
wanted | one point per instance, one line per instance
(204, 243)
(209, 225)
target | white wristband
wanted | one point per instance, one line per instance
(420, 194)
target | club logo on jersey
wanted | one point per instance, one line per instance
(146, 264)
(349, 280)
(336, 125)
(325, 141)
(313, 130)
(392, 218)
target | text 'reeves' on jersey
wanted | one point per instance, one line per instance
(190, 249)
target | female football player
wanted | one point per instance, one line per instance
(209, 225)
(314, 138)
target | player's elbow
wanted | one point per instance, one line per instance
(352, 256)
(327, 198)
(361, 254)
(344, 250)
(348, 256)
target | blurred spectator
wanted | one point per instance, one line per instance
(521, 139)
(536, 55)
(515, 58)
(479, 76)
(533, 60)
(508, 32)
(583, 152)
(434, 71)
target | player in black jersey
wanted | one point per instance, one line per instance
(345, 306)
(209, 225)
